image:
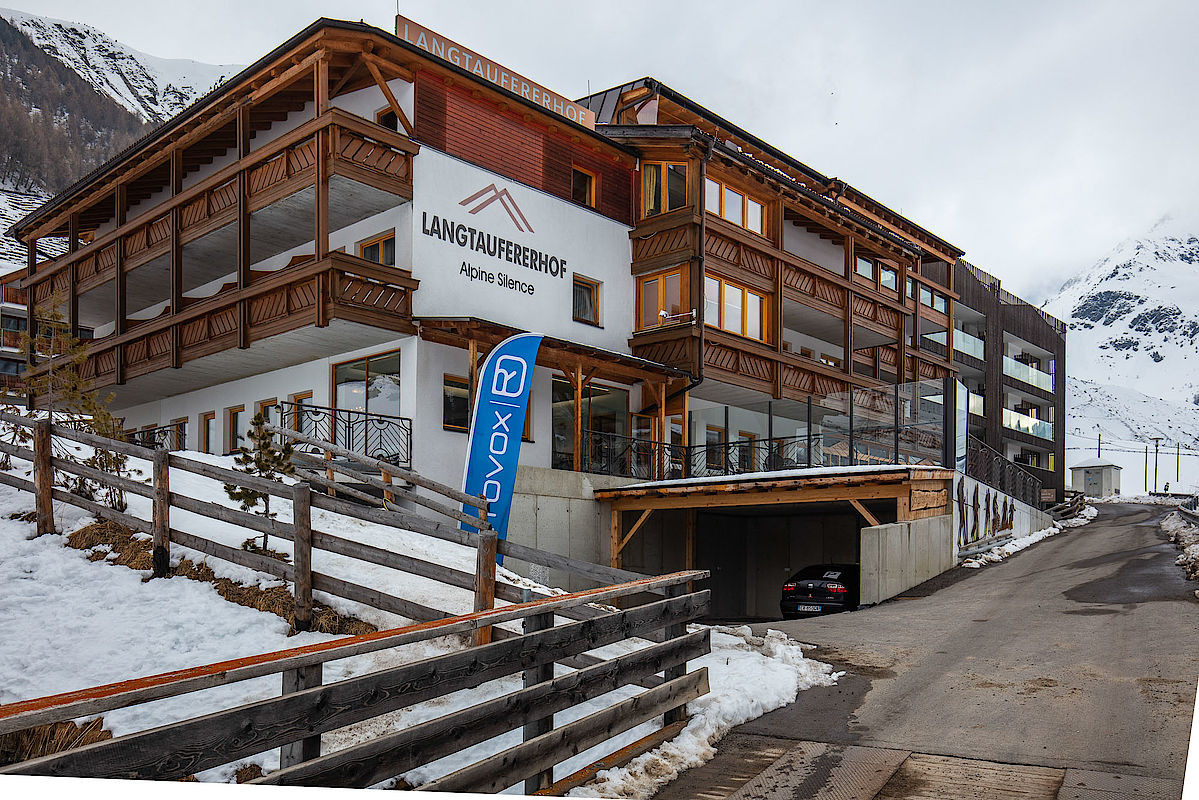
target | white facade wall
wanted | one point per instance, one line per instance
(819, 251)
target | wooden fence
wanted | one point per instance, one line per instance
(308, 708)
(294, 721)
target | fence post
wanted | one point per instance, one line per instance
(679, 670)
(43, 478)
(161, 514)
(532, 677)
(386, 476)
(301, 525)
(296, 680)
(485, 580)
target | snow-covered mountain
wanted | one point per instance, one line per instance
(13, 206)
(151, 87)
(1134, 317)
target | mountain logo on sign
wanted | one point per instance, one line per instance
(488, 195)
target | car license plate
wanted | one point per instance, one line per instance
(809, 608)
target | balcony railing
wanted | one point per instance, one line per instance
(970, 345)
(1030, 375)
(1016, 421)
(172, 436)
(381, 436)
(988, 466)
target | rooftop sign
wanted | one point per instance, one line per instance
(487, 70)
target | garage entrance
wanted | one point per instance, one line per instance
(754, 534)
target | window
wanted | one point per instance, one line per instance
(864, 267)
(586, 300)
(8, 367)
(266, 408)
(233, 434)
(889, 279)
(911, 288)
(299, 417)
(369, 384)
(940, 303)
(455, 403)
(733, 308)
(9, 323)
(746, 446)
(735, 206)
(582, 187)
(387, 118)
(604, 420)
(658, 294)
(207, 431)
(663, 187)
(714, 448)
(179, 433)
(926, 296)
(381, 249)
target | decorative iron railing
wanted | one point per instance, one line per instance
(379, 436)
(990, 467)
(172, 436)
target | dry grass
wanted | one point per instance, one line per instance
(135, 553)
(45, 740)
(247, 772)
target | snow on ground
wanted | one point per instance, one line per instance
(1000, 552)
(76, 623)
(1186, 537)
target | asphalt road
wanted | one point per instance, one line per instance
(1081, 652)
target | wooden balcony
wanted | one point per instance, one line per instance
(335, 144)
(311, 294)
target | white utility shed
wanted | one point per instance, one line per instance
(1096, 477)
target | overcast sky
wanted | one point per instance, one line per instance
(1033, 135)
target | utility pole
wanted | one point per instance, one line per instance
(1146, 469)
(1177, 462)
(1156, 441)
(1099, 449)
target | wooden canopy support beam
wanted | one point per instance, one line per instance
(861, 509)
(633, 530)
(391, 99)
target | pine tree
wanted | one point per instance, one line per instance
(68, 397)
(264, 460)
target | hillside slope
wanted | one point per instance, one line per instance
(153, 88)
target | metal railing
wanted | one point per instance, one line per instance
(990, 467)
(380, 436)
(172, 436)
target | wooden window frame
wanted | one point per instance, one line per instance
(882, 268)
(263, 404)
(377, 239)
(595, 286)
(721, 445)
(874, 268)
(367, 358)
(664, 186)
(446, 377)
(383, 112)
(745, 198)
(593, 193)
(719, 324)
(750, 440)
(203, 438)
(298, 399)
(661, 275)
(231, 433)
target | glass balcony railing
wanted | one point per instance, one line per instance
(1026, 424)
(1030, 375)
(975, 404)
(970, 345)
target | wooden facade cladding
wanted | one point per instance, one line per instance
(339, 286)
(459, 120)
(359, 150)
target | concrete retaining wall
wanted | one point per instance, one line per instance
(901, 555)
(982, 515)
(556, 510)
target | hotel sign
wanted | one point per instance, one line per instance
(487, 70)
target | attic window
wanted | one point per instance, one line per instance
(387, 118)
(582, 187)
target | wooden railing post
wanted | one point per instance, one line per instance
(532, 677)
(488, 547)
(672, 632)
(301, 515)
(296, 680)
(387, 496)
(162, 513)
(485, 580)
(43, 478)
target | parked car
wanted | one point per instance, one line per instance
(820, 589)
